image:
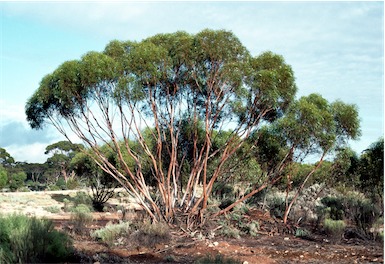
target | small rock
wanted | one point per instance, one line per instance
(286, 239)
(211, 245)
(215, 244)
(245, 262)
(301, 256)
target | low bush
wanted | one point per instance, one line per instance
(354, 208)
(362, 212)
(334, 228)
(32, 240)
(53, 209)
(82, 198)
(111, 232)
(302, 233)
(81, 217)
(149, 234)
(251, 228)
(277, 206)
(230, 231)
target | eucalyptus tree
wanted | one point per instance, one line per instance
(133, 91)
(6, 159)
(62, 153)
(310, 127)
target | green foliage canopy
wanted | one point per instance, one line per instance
(3, 177)
(172, 88)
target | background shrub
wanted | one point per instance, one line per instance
(336, 209)
(354, 208)
(362, 212)
(82, 198)
(53, 209)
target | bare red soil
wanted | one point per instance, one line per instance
(266, 248)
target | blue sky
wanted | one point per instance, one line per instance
(335, 49)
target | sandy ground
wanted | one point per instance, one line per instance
(262, 249)
(41, 203)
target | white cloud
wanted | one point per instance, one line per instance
(32, 153)
(11, 111)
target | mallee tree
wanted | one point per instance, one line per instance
(159, 104)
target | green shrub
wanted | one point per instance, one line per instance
(251, 228)
(223, 190)
(54, 188)
(67, 205)
(31, 240)
(53, 209)
(334, 228)
(353, 207)
(218, 259)
(61, 184)
(226, 202)
(259, 197)
(82, 198)
(363, 213)
(111, 232)
(228, 230)
(150, 234)
(3, 177)
(277, 206)
(81, 217)
(23, 189)
(336, 205)
(72, 184)
(16, 180)
(302, 233)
